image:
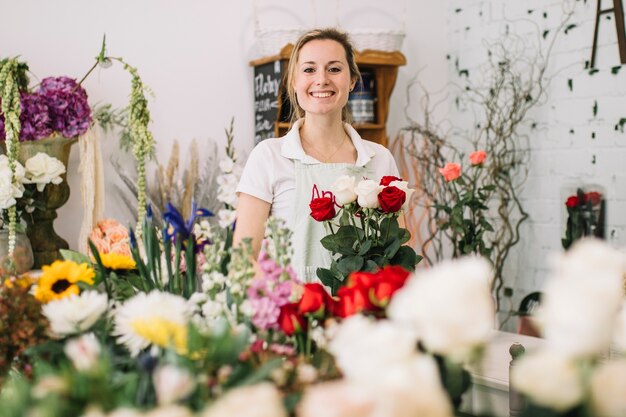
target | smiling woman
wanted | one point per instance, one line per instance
(321, 146)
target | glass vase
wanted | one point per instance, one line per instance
(22, 259)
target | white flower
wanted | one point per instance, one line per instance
(125, 412)
(9, 192)
(83, 351)
(549, 379)
(343, 190)
(152, 318)
(226, 165)
(345, 398)
(93, 411)
(169, 411)
(449, 306)
(212, 309)
(367, 193)
(577, 316)
(260, 400)
(608, 385)
(226, 218)
(172, 383)
(404, 186)
(43, 169)
(619, 332)
(226, 191)
(589, 257)
(363, 347)
(76, 313)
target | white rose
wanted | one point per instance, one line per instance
(367, 193)
(172, 383)
(449, 306)
(76, 313)
(83, 351)
(343, 190)
(260, 400)
(7, 194)
(404, 186)
(227, 165)
(549, 379)
(43, 169)
(362, 347)
(226, 218)
(589, 256)
(608, 385)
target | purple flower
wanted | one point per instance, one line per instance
(70, 113)
(35, 119)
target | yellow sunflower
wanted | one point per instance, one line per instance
(60, 279)
(117, 261)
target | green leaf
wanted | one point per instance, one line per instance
(70, 255)
(545, 33)
(370, 266)
(366, 246)
(406, 258)
(404, 236)
(342, 242)
(595, 108)
(615, 70)
(350, 264)
(570, 84)
(593, 71)
(392, 249)
(389, 228)
(570, 27)
(329, 279)
(620, 124)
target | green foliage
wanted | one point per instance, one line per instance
(365, 240)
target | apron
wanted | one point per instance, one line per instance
(308, 252)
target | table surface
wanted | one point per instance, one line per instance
(493, 371)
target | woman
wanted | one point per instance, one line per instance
(321, 146)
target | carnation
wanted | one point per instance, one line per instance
(75, 313)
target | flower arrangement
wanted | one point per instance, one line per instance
(364, 231)
(585, 216)
(464, 215)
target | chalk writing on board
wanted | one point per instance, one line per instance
(267, 84)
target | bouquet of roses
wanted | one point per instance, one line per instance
(363, 222)
(585, 216)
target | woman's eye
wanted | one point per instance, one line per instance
(309, 70)
(334, 69)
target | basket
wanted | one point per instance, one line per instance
(272, 40)
(379, 40)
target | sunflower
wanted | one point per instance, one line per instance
(113, 260)
(60, 280)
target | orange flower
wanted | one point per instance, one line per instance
(478, 157)
(450, 171)
(109, 236)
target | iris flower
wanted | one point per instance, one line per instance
(176, 224)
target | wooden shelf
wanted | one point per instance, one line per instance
(271, 101)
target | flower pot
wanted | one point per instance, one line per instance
(22, 259)
(39, 224)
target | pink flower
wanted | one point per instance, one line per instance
(478, 157)
(109, 236)
(450, 171)
(266, 313)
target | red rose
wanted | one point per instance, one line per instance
(391, 199)
(314, 299)
(322, 208)
(290, 320)
(352, 300)
(388, 280)
(593, 197)
(572, 201)
(361, 279)
(388, 179)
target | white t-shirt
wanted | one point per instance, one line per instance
(270, 173)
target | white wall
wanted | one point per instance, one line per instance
(564, 153)
(194, 55)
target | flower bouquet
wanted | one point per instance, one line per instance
(585, 216)
(363, 223)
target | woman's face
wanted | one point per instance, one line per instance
(322, 80)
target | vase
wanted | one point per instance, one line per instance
(22, 260)
(46, 243)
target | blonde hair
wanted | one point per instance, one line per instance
(319, 34)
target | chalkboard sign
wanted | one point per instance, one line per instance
(267, 78)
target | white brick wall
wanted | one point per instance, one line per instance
(563, 149)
